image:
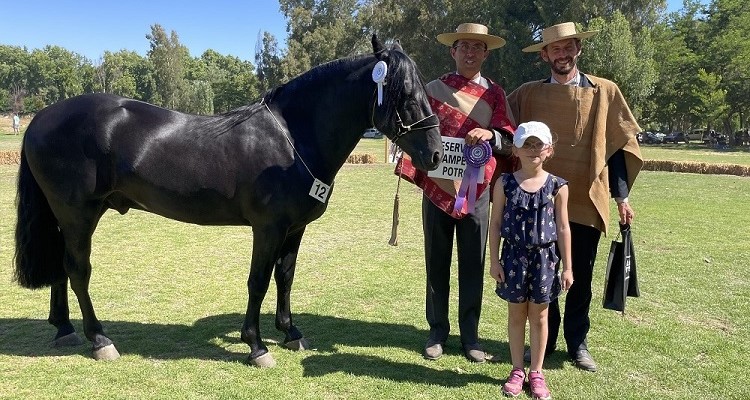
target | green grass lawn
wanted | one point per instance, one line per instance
(172, 297)
(378, 149)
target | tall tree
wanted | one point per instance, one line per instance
(268, 62)
(168, 58)
(727, 55)
(618, 55)
(14, 70)
(320, 31)
(233, 81)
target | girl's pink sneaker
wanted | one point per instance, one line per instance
(539, 389)
(514, 385)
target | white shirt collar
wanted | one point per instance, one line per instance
(576, 81)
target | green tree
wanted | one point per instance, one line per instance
(710, 99)
(618, 55)
(320, 31)
(233, 82)
(120, 72)
(727, 55)
(168, 58)
(268, 62)
(14, 70)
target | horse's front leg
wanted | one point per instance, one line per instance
(266, 244)
(284, 275)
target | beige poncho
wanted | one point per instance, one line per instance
(591, 123)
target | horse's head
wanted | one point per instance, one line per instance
(405, 115)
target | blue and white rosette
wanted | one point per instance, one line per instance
(476, 156)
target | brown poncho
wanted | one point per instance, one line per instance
(591, 123)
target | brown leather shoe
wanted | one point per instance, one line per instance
(584, 361)
(433, 350)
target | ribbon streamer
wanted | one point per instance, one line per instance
(476, 156)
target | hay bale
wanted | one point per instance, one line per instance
(361, 158)
(692, 167)
(10, 157)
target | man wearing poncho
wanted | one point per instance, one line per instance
(596, 151)
(473, 108)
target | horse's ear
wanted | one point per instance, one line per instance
(397, 45)
(377, 46)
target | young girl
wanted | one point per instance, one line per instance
(530, 213)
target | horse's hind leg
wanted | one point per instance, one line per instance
(284, 275)
(59, 316)
(77, 228)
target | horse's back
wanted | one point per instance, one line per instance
(69, 145)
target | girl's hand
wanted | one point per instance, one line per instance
(566, 279)
(496, 271)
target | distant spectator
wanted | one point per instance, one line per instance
(16, 123)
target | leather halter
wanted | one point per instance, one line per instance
(428, 122)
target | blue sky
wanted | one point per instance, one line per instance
(89, 27)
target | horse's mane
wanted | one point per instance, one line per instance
(400, 68)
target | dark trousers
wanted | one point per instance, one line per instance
(576, 323)
(471, 239)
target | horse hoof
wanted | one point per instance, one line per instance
(297, 345)
(263, 361)
(106, 353)
(71, 339)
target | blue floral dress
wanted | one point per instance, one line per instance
(529, 252)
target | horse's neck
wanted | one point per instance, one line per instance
(328, 122)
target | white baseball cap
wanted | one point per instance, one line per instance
(536, 129)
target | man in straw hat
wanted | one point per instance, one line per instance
(597, 152)
(474, 109)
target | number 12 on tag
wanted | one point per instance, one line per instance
(320, 191)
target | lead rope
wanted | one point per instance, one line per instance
(393, 241)
(394, 226)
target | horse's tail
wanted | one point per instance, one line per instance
(39, 242)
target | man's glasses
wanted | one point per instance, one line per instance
(474, 48)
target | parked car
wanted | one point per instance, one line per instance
(675, 137)
(696, 134)
(372, 133)
(653, 138)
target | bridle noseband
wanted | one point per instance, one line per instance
(428, 122)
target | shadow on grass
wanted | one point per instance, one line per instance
(217, 338)
(376, 367)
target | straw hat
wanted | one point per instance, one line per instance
(566, 30)
(472, 31)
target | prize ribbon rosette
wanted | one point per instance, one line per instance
(476, 156)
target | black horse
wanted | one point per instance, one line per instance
(269, 165)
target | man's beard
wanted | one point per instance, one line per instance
(570, 64)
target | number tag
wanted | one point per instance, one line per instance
(320, 191)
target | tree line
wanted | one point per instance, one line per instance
(677, 70)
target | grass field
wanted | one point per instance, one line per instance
(172, 297)
(378, 149)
